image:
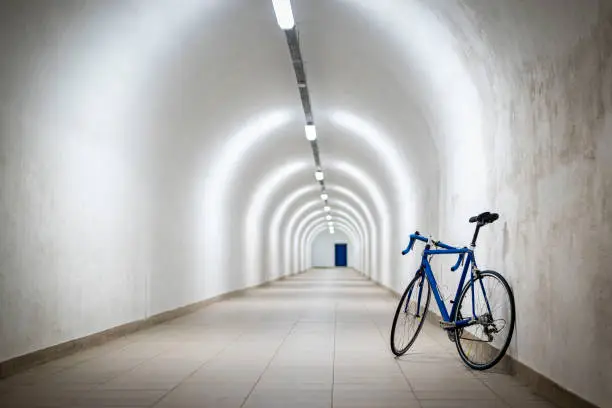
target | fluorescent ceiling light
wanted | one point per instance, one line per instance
(331, 224)
(319, 175)
(326, 208)
(311, 132)
(284, 14)
(324, 196)
(331, 231)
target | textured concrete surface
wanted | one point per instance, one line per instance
(308, 341)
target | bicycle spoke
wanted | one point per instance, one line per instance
(409, 316)
(483, 341)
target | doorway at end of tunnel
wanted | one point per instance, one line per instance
(340, 255)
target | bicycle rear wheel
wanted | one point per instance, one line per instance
(484, 344)
(410, 314)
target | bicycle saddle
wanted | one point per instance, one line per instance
(485, 218)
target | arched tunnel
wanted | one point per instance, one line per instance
(160, 216)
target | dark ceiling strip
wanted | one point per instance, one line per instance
(293, 41)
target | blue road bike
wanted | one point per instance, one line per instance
(481, 319)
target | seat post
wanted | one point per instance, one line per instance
(478, 225)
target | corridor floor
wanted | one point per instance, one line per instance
(319, 339)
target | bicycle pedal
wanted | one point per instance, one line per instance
(447, 325)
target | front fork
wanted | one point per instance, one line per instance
(421, 282)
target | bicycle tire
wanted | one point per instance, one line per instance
(399, 351)
(501, 351)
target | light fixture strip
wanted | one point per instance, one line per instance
(293, 41)
(284, 14)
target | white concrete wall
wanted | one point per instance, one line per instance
(323, 249)
(544, 73)
(120, 193)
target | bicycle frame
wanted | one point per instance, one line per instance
(470, 265)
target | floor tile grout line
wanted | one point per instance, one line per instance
(95, 387)
(98, 386)
(197, 369)
(334, 353)
(270, 362)
(76, 364)
(396, 362)
(146, 360)
(499, 397)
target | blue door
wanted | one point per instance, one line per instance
(340, 254)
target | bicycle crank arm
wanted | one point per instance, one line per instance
(458, 324)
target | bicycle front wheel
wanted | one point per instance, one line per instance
(410, 314)
(489, 300)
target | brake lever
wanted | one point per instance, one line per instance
(459, 262)
(409, 248)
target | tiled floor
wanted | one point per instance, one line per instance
(316, 340)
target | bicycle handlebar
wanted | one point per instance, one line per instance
(417, 236)
(413, 237)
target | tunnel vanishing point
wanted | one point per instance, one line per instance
(159, 156)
